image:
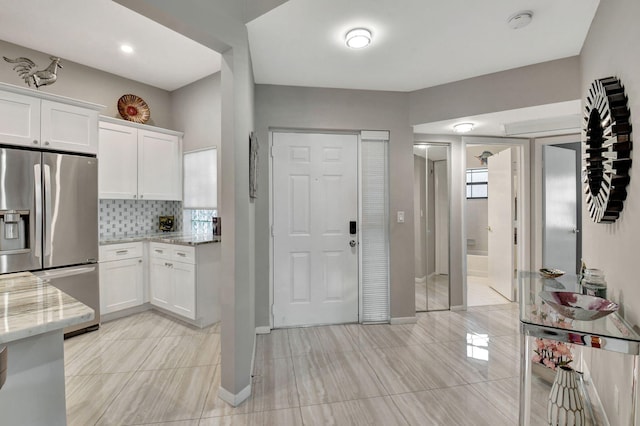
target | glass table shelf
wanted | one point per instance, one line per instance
(539, 320)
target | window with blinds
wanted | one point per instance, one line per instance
(374, 227)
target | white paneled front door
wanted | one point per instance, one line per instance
(314, 199)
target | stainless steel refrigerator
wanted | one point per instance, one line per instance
(49, 221)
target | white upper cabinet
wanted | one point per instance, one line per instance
(20, 124)
(118, 161)
(68, 127)
(159, 166)
(138, 162)
(47, 121)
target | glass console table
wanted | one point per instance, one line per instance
(540, 321)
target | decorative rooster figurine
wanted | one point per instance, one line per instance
(27, 70)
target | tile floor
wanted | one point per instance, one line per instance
(451, 368)
(433, 294)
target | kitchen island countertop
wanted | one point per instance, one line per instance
(31, 306)
(181, 238)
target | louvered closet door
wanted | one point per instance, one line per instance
(314, 199)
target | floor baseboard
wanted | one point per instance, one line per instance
(234, 399)
(404, 320)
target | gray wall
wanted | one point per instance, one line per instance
(538, 84)
(89, 84)
(196, 110)
(611, 49)
(335, 109)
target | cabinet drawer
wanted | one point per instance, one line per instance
(183, 254)
(160, 250)
(120, 251)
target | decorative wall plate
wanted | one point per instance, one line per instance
(607, 133)
(133, 108)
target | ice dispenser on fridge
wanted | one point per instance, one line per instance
(13, 230)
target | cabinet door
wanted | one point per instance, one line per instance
(121, 284)
(160, 283)
(117, 162)
(69, 128)
(184, 296)
(159, 166)
(20, 119)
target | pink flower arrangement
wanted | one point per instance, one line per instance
(552, 354)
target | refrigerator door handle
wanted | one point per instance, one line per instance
(38, 207)
(47, 210)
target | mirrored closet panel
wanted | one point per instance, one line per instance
(431, 212)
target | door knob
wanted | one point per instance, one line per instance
(352, 243)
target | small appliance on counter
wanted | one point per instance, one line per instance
(217, 225)
(167, 223)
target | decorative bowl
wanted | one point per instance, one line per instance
(133, 108)
(578, 306)
(551, 273)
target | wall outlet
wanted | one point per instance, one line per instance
(400, 217)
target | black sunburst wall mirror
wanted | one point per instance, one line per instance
(607, 135)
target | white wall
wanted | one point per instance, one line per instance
(611, 50)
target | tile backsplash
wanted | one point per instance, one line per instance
(129, 217)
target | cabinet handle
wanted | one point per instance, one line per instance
(159, 251)
(139, 260)
(35, 141)
(135, 196)
(142, 196)
(46, 142)
(181, 254)
(169, 265)
(122, 252)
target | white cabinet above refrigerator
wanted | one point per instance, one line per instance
(40, 120)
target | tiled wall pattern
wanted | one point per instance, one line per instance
(130, 217)
(201, 220)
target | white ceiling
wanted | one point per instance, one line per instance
(416, 43)
(552, 119)
(420, 44)
(90, 32)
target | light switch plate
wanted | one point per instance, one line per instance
(400, 217)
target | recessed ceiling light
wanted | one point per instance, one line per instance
(463, 127)
(126, 48)
(520, 19)
(358, 38)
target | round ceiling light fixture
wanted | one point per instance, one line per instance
(126, 48)
(463, 127)
(358, 38)
(520, 19)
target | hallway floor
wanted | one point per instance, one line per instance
(480, 293)
(451, 368)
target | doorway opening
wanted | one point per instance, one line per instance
(431, 212)
(493, 230)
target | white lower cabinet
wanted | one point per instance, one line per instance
(180, 280)
(173, 281)
(121, 277)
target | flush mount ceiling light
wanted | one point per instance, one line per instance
(358, 38)
(463, 127)
(126, 48)
(520, 19)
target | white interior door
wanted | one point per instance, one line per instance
(560, 210)
(314, 198)
(501, 222)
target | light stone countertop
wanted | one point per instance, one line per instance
(29, 306)
(181, 238)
